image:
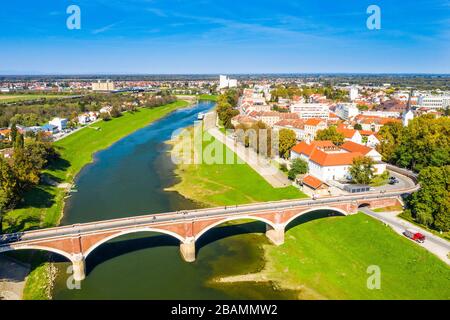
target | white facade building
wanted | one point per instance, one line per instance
(381, 114)
(103, 86)
(434, 102)
(311, 110)
(60, 123)
(346, 111)
(407, 117)
(353, 93)
(226, 82)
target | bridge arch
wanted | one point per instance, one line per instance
(245, 217)
(123, 233)
(312, 210)
(65, 254)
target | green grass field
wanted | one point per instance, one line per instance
(209, 97)
(328, 259)
(230, 184)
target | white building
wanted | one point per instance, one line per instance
(434, 102)
(108, 85)
(381, 114)
(407, 117)
(60, 123)
(226, 82)
(346, 111)
(311, 110)
(328, 162)
(353, 93)
(312, 126)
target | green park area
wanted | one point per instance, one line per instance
(227, 184)
(329, 259)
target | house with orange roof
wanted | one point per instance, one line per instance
(5, 134)
(350, 134)
(372, 123)
(296, 125)
(312, 126)
(369, 138)
(328, 162)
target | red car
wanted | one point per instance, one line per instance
(414, 235)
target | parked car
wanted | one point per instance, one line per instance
(393, 180)
(414, 235)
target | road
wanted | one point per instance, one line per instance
(433, 243)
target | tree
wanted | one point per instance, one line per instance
(287, 140)
(298, 166)
(330, 134)
(430, 206)
(13, 134)
(115, 112)
(362, 170)
(424, 142)
(19, 142)
(357, 126)
(105, 116)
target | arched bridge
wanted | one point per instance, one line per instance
(76, 242)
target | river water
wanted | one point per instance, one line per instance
(129, 179)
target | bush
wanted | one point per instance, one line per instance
(299, 166)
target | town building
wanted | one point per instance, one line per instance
(60, 123)
(107, 85)
(353, 93)
(407, 117)
(350, 134)
(434, 101)
(226, 82)
(327, 162)
(346, 111)
(311, 110)
(312, 126)
(296, 125)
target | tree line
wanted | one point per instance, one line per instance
(424, 147)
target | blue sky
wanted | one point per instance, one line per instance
(206, 36)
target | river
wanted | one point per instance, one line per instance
(130, 178)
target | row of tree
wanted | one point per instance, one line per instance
(226, 107)
(424, 147)
(289, 91)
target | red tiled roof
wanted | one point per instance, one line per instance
(306, 149)
(351, 146)
(348, 133)
(366, 133)
(313, 122)
(313, 182)
(295, 123)
(333, 159)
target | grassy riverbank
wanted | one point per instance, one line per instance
(208, 97)
(43, 206)
(328, 259)
(229, 184)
